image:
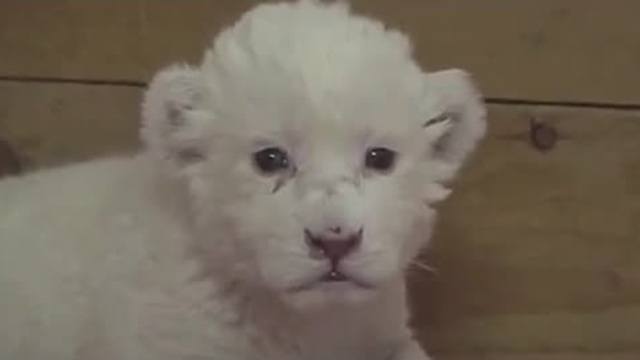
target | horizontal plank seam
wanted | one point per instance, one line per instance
(489, 100)
(52, 80)
(561, 103)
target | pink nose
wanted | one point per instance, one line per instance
(334, 248)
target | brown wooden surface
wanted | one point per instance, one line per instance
(52, 124)
(623, 355)
(540, 251)
(570, 50)
(537, 254)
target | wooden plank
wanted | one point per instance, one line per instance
(536, 253)
(540, 251)
(108, 40)
(52, 124)
(614, 355)
(572, 50)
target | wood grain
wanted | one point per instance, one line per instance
(547, 50)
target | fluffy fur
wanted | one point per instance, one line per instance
(187, 251)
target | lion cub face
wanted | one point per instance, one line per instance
(313, 148)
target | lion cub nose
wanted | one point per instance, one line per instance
(334, 245)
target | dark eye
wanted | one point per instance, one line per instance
(380, 159)
(271, 160)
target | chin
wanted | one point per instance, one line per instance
(317, 285)
(328, 294)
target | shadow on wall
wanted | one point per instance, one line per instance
(9, 160)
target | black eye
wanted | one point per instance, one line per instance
(380, 159)
(271, 160)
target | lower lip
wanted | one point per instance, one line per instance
(333, 279)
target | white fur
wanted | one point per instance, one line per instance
(185, 251)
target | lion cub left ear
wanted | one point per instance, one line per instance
(458, 120)
(174, 121)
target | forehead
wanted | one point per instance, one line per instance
(330, 125)
(366, 100)
(307, 80)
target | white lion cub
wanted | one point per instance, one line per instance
(285, 184)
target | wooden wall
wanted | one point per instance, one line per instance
(538, 252)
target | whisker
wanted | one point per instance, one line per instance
(422, 266)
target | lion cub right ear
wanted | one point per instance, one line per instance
(174, 120)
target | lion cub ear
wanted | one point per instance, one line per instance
(174, 120)
(458, 122)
